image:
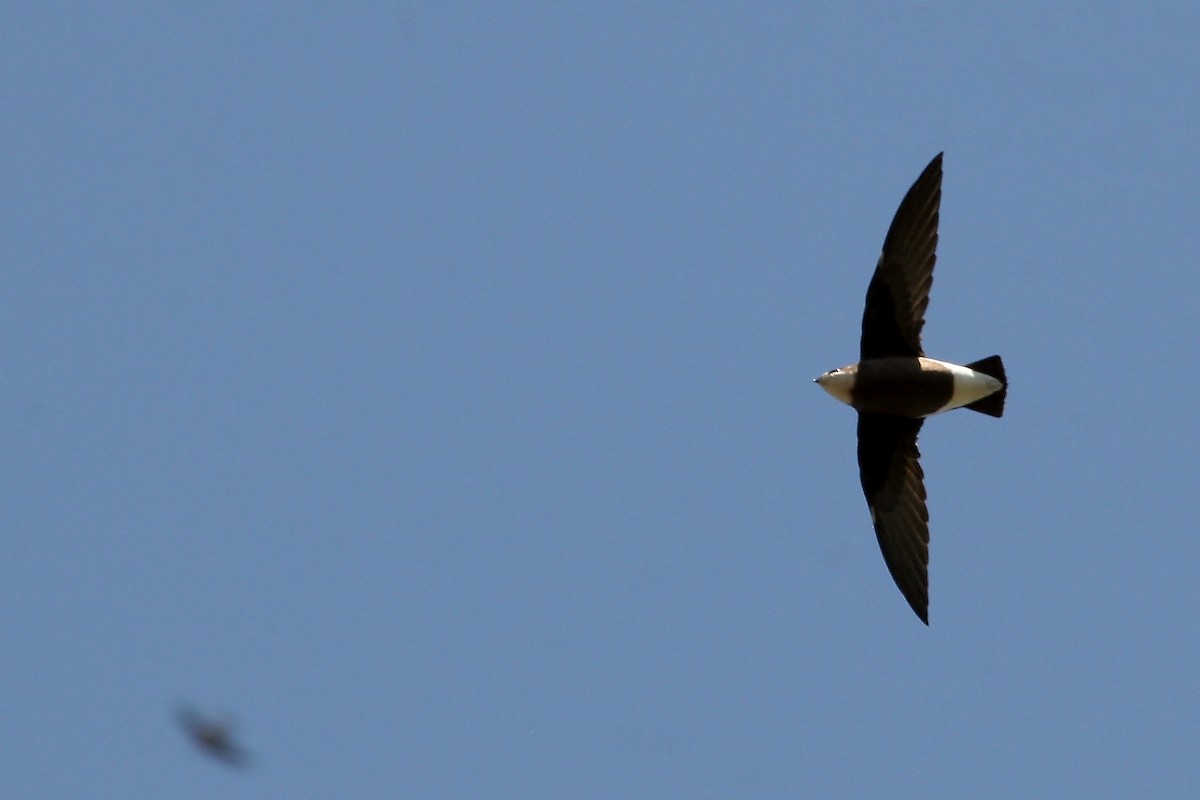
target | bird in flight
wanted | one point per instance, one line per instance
(214, 736)
(894, 387)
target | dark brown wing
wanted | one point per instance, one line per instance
(894, 485)
(899, 290)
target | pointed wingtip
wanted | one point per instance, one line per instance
(922, 611)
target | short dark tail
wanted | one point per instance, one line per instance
(993, 404)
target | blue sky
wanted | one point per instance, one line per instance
(428, 386)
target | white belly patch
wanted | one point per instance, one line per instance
(969, 386)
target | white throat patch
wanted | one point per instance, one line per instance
(838, 382)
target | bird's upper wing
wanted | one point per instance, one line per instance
(894, 485)
(899, 289)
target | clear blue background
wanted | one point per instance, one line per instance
(428, 385)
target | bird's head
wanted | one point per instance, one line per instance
(838, 382)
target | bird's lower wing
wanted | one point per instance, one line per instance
(894, 485)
